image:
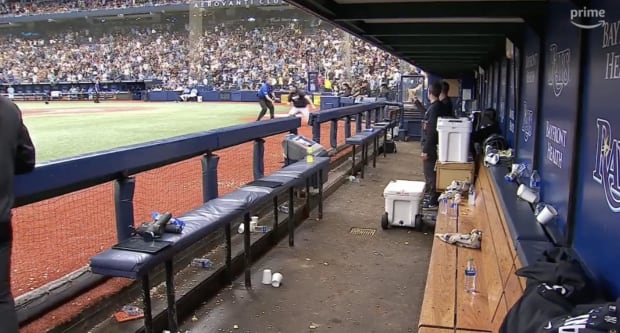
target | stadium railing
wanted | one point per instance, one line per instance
(58, 178)
(101, 187)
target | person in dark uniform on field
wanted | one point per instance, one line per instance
(301, 103)
(17, 155)
(429, 149)
(445, 88)
(265, 99)
(96, 90)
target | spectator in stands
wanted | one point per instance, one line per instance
(346, 90)
(265, 99)
(445, 88)
(17, 155)
(429, 148)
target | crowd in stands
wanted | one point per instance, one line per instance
(223, 57)
(54, 7)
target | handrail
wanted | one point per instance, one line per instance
(341, 112)
(50, 179)
(346, 112)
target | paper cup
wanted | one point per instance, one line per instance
(546, 214)
(527, 194)
(276, 280)
(254, 219)
(266, 276)
(252, 226)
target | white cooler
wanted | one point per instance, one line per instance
(453, 139)
(403, 202)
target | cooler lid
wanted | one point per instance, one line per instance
(404, 187)
(454, 122)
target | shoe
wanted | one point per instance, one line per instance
(471, 240)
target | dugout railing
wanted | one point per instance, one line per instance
(63, 183)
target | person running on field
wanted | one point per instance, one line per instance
(265, 99)
(301, 103)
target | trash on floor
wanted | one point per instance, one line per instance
(127, 313)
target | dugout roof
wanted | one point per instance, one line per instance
(446, 37)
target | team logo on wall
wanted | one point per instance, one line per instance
(560, 69)
(527, 122)
(606, 169)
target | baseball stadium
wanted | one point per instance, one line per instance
(308, 166)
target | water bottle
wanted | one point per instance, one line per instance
(470, 276)
(202, 263)
(471, 196)
(535, 181)
(309, 155)
(443, 205)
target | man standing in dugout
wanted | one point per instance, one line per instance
(17, 155)
(429, 149)
(445, 88)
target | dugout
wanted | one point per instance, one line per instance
(549, 68)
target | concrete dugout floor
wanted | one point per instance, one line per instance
(335, 281)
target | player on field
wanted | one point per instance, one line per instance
(301, 103)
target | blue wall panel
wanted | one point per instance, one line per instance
(526, 136)
(503, 87)
(556, 142)
(598, 189)
(510, 102)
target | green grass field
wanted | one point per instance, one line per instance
(65, 129)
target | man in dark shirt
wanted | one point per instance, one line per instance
(445, 88)
(429, 147)
(301, 103)
(16, 156)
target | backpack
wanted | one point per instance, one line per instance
(555, 285)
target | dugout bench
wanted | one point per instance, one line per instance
(217, 213)
(372, 134)
(511, 239)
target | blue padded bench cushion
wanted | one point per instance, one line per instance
(519, 216)
(202, 221)
(362, 137)
(198, 224)
(299, 171)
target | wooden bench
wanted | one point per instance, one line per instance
(447, 307)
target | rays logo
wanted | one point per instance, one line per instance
(527, 122)
(606, 168)
(560, 69)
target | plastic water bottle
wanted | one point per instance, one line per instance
(470, 276)
(535, 181)
(309, 155)
(471, 196)
(202, 263)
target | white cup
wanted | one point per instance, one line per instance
(252, 226)
(527, 194)
(276, 280)
(546, 214)
(254, 219)
(241, 228)
(266, 276)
